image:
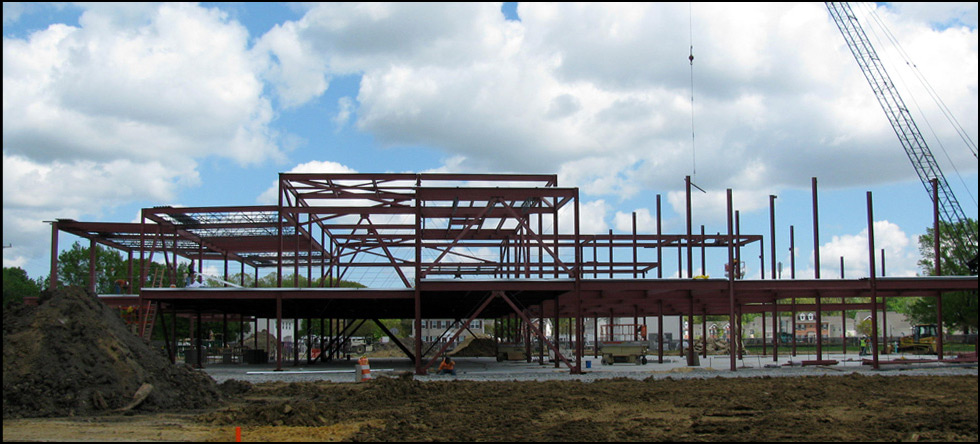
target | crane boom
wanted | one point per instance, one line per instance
(901, 120)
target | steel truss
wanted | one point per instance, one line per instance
(457, 246)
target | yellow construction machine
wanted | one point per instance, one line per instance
(922, 341)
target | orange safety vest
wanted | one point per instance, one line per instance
(447, 365)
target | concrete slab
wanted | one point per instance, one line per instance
(488, 369)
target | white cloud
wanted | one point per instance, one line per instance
(121, 108)
(271, 195)
(645, 222)
(600, 93)
(901, 253)
(345, 106)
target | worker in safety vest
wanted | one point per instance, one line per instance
(447, 367)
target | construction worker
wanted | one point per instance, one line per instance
(447, 367)
(864, 345)
(197, 283)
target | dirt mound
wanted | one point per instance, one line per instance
(73, 355)
(476, 347)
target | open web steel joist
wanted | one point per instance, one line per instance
(459, 246)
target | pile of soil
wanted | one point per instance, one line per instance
(390, 350)
(72, 355)
(476, 347)
(265, 341)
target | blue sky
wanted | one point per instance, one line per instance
(109, 108)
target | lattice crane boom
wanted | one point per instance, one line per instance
(901, 120)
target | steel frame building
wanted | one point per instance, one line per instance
(462, 246)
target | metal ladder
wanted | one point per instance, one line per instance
(148, 310)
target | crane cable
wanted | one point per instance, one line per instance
(971, 145)
(694, 158)
(876, 20)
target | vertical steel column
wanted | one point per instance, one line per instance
(636, 321)
(731, 287)
(775, 329)
(555, 233)
(764, 352)
(611, 262)
(874, 284)
(936, 232)
(690, 251)
(738, 245)
(556, 332)
(579, 327)
(198, 363)
(843, 318)
(296, 231)
(772, 238)
(635, 274)
(595, 334)
(816, 267)
(704, 331)
(690, 318)
(418, 279)
(680, 326)
(660, 257)
(541, 319)
(660, 322)
(279, 332)
(91, 267)
(53, 279)
(740, 319)
(792, 275)
(295, 342)
(129, 273)
(884, 302)
(279, 244)
(323, 342)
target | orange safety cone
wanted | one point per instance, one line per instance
(363, 372)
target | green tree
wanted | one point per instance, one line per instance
(110, 266)
(959, 308)
(73, 267)
(16, 286)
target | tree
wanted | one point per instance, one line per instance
(110, 266)
(16, 286)
(73, 267)
(959, 308)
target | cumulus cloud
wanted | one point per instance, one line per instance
(122, 107)
(601, 93)
(271, 195)
(901, 253)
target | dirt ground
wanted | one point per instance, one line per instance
(830, 408)
(72, 371)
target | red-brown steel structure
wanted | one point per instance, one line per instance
(460, 246)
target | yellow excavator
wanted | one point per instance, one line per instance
(922, 341)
